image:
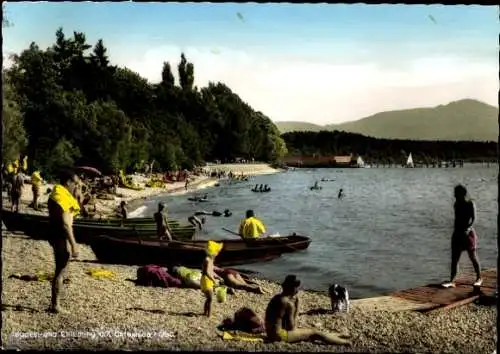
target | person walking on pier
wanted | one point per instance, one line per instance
(464, 237)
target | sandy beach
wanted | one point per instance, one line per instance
(250, 169)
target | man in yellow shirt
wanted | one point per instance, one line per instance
(251, 227)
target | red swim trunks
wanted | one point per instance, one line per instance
(464, 241)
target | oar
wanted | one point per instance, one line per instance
(231, 232)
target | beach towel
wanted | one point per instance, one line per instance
(65, 199)
(101, 273)
(153, 275)
(243, 336)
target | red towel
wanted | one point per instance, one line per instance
(153, 275)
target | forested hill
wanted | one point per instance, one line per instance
(460, 120)
(68, 104)
(391, 151)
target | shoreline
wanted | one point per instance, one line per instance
(135, 199)
(110, 304)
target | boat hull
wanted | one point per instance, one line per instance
(130, 251)
(37, 227)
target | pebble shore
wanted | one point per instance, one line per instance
(117, 314)
(172, 317)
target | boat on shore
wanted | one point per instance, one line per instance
(36, 226)
(136, 251)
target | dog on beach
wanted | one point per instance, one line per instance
(339, 297)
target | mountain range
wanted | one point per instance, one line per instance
(466, 119)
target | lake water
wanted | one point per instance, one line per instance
(391, 231)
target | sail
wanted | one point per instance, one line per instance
(409, 162)
(360, 162)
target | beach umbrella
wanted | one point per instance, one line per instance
(89, 170)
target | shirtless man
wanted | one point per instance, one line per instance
(196, 222)
(281, 318)
(464, 237)
(62, 208)
(16, 191)
(162, 229)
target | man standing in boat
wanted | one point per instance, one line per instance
(162, 229)
(62, 206)
(251, 227)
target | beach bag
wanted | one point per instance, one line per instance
(153, 275)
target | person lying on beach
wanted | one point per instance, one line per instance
(251, 227)
(193, 220)
(281, 318)
(63, 207)
(162, 228)
(464, 237)
(208, 276)
(234, 280)
(16, 191)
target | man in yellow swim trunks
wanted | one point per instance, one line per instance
(251, 227)
(281, 318)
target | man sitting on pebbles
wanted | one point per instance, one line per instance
(281, 318)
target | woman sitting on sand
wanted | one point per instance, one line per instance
(234, 280)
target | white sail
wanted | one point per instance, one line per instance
(409, 162)
(360, 162)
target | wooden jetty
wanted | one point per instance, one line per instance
(433, 297)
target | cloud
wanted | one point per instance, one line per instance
(327, 92)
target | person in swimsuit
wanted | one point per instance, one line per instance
(123, 210)
(464, 237)
(162, 229)
(208, 276)
(16, 191)
(62, 206)
(36, 184)
(281, 318)
(341, 194)
(193, 220)
(234, 280)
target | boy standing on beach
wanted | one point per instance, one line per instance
(464, 237)
(208, 276)
(62, 206)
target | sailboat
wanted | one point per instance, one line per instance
(360, 162)
(409, 162)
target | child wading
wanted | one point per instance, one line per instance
(208, 276)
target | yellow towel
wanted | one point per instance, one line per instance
(65, 199)
(36, 179)
(101, 273)
(44, 276)
(243, 336)
(213, 248)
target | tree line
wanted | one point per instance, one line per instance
(67, 104)
(386, 151)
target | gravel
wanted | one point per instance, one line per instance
(106, 314)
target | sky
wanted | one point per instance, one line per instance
(320, 63)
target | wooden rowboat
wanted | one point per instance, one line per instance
(135, 251)
(36, 226)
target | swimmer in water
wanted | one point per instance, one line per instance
(227, 213)
(341, 194)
